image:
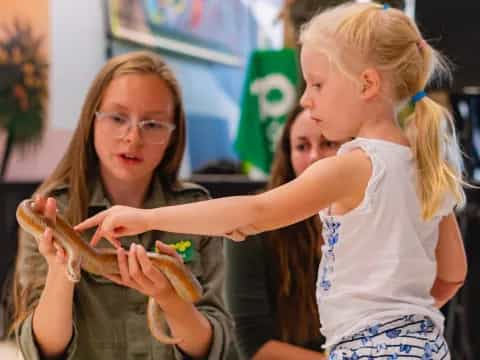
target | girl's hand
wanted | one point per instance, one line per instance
(115, 222)
(53, 253)
(139, 273)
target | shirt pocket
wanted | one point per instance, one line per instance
(188, 247)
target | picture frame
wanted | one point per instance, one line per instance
(210, 30)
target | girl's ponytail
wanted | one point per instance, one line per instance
(430, 129)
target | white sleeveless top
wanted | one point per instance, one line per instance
(378, 260)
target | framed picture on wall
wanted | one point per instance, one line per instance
(207, 29)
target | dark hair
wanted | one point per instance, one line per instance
(296, 250)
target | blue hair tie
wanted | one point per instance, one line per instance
(418, 96)
(386, 6)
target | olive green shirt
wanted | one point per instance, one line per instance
(110, 320)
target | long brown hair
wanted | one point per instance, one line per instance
(296, 250)
(79, 165)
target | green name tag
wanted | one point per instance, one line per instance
(184, 248)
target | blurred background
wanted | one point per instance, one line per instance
(222, 52)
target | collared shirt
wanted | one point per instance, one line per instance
(110, 320)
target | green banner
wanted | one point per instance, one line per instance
(270, 93)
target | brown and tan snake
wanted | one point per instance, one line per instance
(104, 262)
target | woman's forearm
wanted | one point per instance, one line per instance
(52, 318)
(279, 350)
(442, 291)
(189, 324)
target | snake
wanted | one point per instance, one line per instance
(81, 255)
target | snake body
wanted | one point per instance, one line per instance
(104, 262)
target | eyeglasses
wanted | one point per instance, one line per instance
(151, 131)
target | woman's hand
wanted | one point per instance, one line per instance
(52, 323)
(115, 222)
(53, 253)
(138, 272)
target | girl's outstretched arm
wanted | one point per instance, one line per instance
(451, 261)
(335, 179)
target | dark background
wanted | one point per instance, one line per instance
(453, 28)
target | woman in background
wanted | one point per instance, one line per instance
(271, 283)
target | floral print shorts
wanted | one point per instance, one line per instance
(408, 337)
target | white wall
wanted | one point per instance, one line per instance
(78, 52)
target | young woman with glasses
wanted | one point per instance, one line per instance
(126, 149)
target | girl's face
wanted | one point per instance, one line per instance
(133, 98)
(307, 143)
(333, 99)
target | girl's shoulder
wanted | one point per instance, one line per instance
(374, 146)
(381, 155)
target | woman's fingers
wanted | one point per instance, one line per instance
(45, 243)
(167, 250)
(49, 248)
(39, 203)
(123, 267)
(135, 269)
(61, 255)
(148, 268)
(50, 210)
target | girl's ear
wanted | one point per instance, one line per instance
(370, 80)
